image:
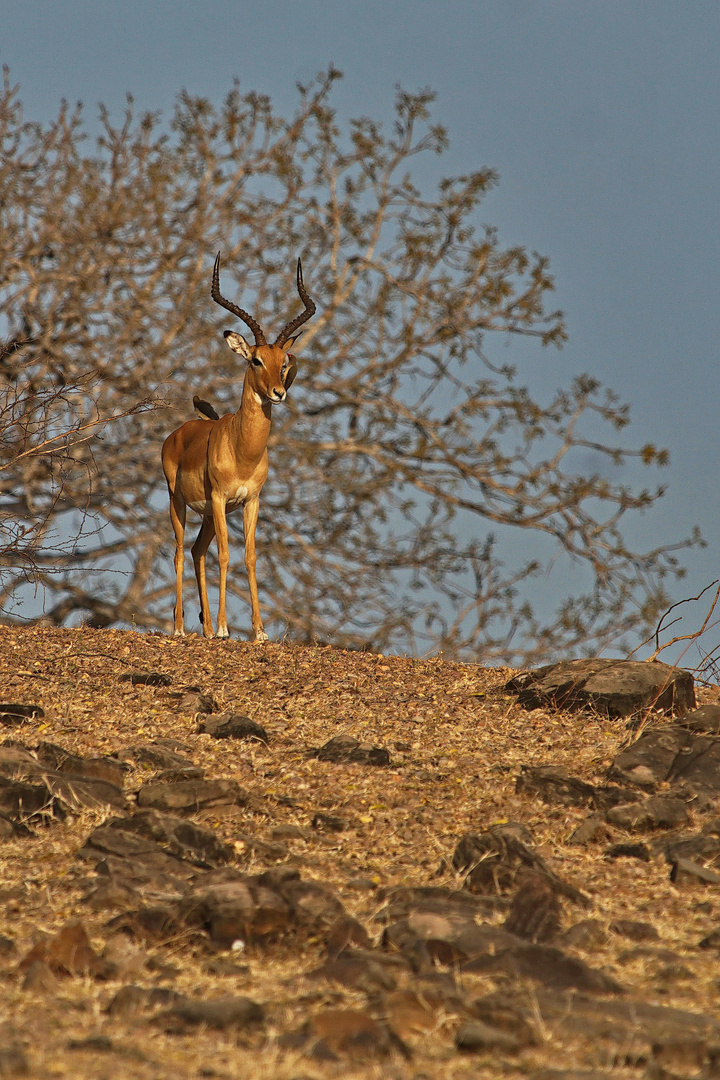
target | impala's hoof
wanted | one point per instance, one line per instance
(260, 636)
(178, 633)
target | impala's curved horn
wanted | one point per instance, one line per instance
(220, 299)
(288, 330)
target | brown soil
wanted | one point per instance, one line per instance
(456, 743)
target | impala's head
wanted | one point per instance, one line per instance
(271, 368)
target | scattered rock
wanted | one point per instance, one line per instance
(17, 762)
(608, 795)
(289, 832)
(346, 749)
(628, 851)
(357, 972)
(548, 965)
(535, 912)
(315, 906)
(704, 721)
(192, 701)
(53, 782)
(698, 769)
(12, 713)
(178, 776)
(649, 760)
(493, 859)
(85, 768)
(617, 688)
(233, 726)
(628, 1023)
(235, 909)
(134, 861)
(400, 901)
(474, 1037)
(21, 801)
(328, 822)
(711, 940)
(78, 793)
(189, 796)
(130, 1000)
(672, 753)
(426, 938)
(179, 837)
(554, 786)
(702, 847)
(344, 933)
(156, 923)
(657, 812)
(154, 755)
(146, 678)
(589, 935)
(220, 1013)
(500, 1011)
(636, 931)
(689, 872)
(594, 828)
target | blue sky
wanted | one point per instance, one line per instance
(601, 116)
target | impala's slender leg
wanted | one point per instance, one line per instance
(199, 551)
(221, 531)
(177, 517)
(250, 516)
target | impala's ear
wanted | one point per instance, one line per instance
(288, 344)
(291, 372)
(238, 344)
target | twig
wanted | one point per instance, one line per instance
(681, 637)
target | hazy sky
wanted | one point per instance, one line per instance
(601, 116)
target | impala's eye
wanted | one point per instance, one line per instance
(255, 362)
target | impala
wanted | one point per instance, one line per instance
(216, 464)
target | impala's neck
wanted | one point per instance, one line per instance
(252, 423)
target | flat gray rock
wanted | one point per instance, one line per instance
(233, 726)
(189, 796)
(616, 688)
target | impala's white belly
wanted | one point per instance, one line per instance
(237, 498)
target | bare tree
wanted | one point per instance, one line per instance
(407, 457)
(45, 436)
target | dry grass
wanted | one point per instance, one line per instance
(456, 742)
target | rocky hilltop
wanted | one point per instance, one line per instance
(225, 860)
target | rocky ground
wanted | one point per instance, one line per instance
(224, 860)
